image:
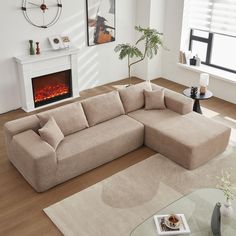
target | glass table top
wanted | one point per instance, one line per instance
(197, 208)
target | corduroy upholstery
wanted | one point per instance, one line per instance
(89, 148)
(51, 133)
(190, 140)
(103, 107)
(155, 99)
(132, 97)
(180, 134)
(70, 118)
(175, 101)
(35, 159)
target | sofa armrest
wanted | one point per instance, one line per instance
(17, 126)
(175, 101)
(35, 159)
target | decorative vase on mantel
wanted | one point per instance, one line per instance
(226, 209)
(31, 47)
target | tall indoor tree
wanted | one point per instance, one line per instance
(152, 42)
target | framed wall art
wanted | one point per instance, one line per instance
(100, 21)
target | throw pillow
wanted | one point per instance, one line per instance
(154, 99)
(51, 133)
(132, 97)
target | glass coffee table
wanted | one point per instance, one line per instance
(197, 208)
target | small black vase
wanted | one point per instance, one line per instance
(216, 220)
(193, 61)
(194, 91)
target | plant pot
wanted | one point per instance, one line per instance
(227, 209)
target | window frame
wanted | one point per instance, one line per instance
(209, 41)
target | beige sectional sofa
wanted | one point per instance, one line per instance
(102, 128)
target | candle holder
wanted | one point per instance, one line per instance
(37, 48)
(204, 82)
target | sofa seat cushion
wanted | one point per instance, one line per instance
(94, 146)
(190, 140)
(70, 118)
(103, 107)
(153, 118)
(132, 97)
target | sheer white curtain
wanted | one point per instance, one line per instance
(217, 16)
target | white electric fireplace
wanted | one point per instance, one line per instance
(48, 78)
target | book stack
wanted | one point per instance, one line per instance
(182, 57)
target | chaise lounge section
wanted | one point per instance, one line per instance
(189, 140)
(102, 128)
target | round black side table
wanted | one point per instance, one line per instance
(197, 98)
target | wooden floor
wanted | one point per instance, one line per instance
(21, 207)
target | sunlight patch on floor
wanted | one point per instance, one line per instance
(233, 137)
(230, 119)
(209, 113)
(120, 86)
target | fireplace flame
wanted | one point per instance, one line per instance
(50, 91)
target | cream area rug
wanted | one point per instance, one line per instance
(116, 205)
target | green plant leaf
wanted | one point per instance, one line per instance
(152, 42)
(127, 50)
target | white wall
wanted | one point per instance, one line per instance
(157, 17)
(97, 65)
(142, 19)
(170, 69)
(150, 13)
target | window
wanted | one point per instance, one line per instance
(224, 56)
(212, 26)
(214, 49)
(200, 43)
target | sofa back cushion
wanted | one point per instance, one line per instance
(103, 107)
(70, 118)
(132, 97)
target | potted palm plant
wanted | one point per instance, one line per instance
(152, 42)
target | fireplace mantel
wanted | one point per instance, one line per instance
(30, 66)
